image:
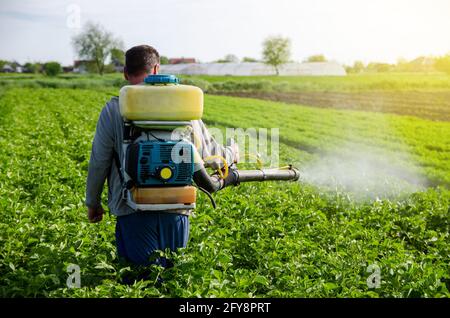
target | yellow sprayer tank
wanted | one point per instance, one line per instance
(161, 98)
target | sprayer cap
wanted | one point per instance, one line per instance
(161, 79)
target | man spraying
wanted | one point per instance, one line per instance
(139, 233)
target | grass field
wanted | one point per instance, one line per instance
(427, 105)
(422, 95)
(314, 238)
(349, 83)
(416, 94)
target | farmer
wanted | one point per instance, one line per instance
(138, 234)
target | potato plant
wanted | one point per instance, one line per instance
(263, 240)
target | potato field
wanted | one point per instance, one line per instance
(373, 198)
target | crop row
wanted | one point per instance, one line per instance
(421, 145)
(264, 239)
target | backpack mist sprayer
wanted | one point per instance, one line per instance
(160, 167)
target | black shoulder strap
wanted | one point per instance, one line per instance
(117, 160)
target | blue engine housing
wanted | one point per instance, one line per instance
(147, 162)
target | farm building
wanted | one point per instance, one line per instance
(251, 68)
(81, 66)
(7, 69)
(182, 60)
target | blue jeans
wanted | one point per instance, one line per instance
(140, 234)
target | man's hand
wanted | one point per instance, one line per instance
(95, 214)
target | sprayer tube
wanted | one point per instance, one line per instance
(207, 182)
(213, 183)
(269, 174)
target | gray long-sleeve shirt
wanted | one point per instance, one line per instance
(108, 138)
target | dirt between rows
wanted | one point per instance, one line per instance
(428, 105)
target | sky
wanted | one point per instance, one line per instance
(342, 30)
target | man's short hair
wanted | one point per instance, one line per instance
(140, 59)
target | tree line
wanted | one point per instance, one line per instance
(420, 64)
(102, 52)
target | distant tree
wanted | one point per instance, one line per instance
(348, 69)
(52, 68)
(379, 67)
(316, 58)
(32, 67)
(402, 65)
(91, 67)
(39, 67)
(163, 60)
(442, 64)
(117, 56)
(95, 43)
(358, 67)
(229, 58)
(15, 65)
(420, 64)
(401, 60)
(3, 63)
(249, 59)
(276, 51)
(109, 68)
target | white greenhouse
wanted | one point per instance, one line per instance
(254, 69)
